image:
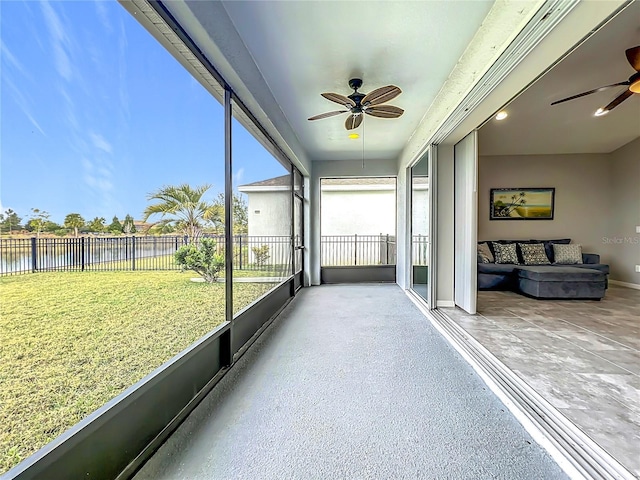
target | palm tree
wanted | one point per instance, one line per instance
(183, 208)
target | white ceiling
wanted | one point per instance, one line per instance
(305, 48)
(536, 127)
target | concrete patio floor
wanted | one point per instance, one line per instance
(351, 382)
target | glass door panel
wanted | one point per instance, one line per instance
(420, 228)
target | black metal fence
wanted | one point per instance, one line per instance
(420, 250)
(345, 250)
(30, 255)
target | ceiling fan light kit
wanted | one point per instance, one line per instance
(633, 85)
(358, 104)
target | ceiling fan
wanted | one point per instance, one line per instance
(633, 84)
(358, 103)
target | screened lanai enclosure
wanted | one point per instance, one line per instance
(300, 299)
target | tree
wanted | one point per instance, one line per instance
(240, 213)
(37, 220)
(115, 227)
(74, 221)
(128, 226)
(183, 208)
(51, 227)
(202, 259)
(9, 221)
(97, 225)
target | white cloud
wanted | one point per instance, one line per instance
(9, 58)
(23, 102)
(100, 143)
(237, 177)
(103, 15)
(59, 41)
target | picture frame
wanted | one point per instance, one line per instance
(522, 203)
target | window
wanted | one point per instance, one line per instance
(358, 221)
(105, 127)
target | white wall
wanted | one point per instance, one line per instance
(621, 241)
(269, 213)
(362, 212)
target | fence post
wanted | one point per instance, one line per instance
(133, 253)
(34, 255)
(240, 249)
(387, 255)
(82, 253)
(355, 249)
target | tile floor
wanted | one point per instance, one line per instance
(582, 356)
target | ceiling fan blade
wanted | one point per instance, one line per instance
(381, 95)
(633, 55)
(328, 114)
(618, 100)
(353, 121)
(595, 90)
(384, 111)
(341, 99)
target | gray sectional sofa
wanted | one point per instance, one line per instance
(586, 280)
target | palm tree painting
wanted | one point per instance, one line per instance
(522, 203)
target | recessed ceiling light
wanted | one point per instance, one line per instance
(354, 136)
(502, 115)
(600, 112)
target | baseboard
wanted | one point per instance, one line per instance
(445, 303)
(635, 286)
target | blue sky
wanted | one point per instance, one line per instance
(95, 115)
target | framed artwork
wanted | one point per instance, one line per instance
(521, 203)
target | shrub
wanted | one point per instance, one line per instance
(260, 255)
(202, 259)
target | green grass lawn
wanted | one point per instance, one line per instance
(71, 341)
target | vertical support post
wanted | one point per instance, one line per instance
(355, 249)
(387, 255)
(133, 253)
(292, 249)
(34, 255)
(82, 252)
(228, 222)
(240, 252)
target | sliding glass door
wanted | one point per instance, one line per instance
(420, 243)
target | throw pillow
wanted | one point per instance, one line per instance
(484, 253)
(534, 254)
(505, 253)
(570, 254)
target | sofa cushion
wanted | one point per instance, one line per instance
(505, 253)
(548, 245)
(567, 254)
(496, 268)
(556, 273)
(594, 266)
(533, 254)
(484, 253)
